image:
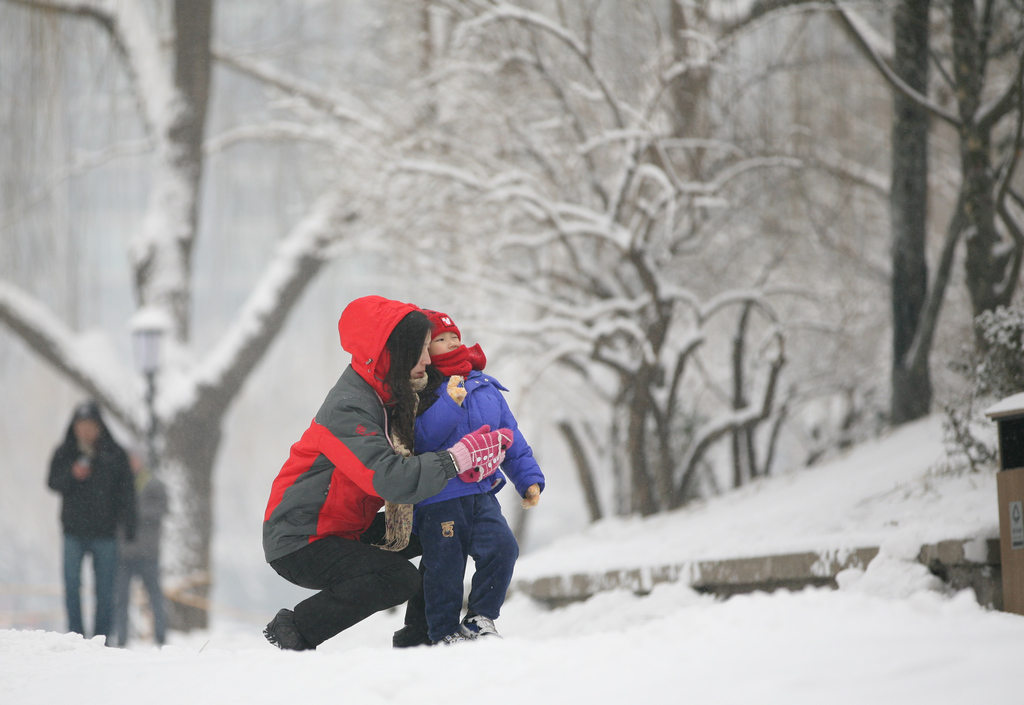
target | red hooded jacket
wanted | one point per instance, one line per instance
(339, 473)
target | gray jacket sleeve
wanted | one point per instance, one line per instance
(360, 428)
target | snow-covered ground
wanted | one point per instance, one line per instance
(889, 493)
(890, 634)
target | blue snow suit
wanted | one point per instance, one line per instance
(465, 518)
(445, 423)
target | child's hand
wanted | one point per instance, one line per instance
(457, 388)
(532, 496)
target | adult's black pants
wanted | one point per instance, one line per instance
(355, 579)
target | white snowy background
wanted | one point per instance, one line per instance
(891, 634)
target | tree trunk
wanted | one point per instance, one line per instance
(911, 382)
(191, 444)
(163, 265)
(986, 261)
(191, 441)
(584, 470)
(193, 26)
(741, 469)
(642, 496)
(689, 93)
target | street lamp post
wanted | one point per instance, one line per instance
(148, 329)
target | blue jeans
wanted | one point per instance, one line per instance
(148, 571)
(104, 561)
(451, 531)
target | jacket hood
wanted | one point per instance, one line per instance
(364, 327)
(88, 409)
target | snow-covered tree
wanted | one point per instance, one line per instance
(169, 81)
(612, 191)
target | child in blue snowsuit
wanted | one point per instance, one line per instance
(465, 518)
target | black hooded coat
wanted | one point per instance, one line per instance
(95, 506)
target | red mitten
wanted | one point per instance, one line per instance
(479, 453)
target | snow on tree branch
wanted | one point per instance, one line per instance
(992, 112)
(278, 130)
(841, 167)
(749, 415)
(610, 137)
(567, 218)
(747, 165)
(147, 67)
(447, 171)
(505, 12)
(85, 358)
(601, 309)
(331, 103)
(298, 258)
(734, 297)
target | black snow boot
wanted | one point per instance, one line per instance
(414, 633)
(410, 635)
(282, 632)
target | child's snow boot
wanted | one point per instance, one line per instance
(476, 626)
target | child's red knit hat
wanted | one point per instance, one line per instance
(442, 323)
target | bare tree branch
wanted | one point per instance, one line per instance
(500, 11)
(887, 73)
(330, 103)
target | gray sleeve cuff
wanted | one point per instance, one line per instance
(448, 464)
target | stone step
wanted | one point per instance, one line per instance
(959, 563)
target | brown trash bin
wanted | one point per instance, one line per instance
(1009, 417)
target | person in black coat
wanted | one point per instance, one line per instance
(91, 471)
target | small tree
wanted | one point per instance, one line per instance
(992, 373)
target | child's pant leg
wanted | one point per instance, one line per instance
(495, 551)
(445, 532)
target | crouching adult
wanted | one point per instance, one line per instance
(355, 458)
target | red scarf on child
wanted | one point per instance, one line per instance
(460, 361)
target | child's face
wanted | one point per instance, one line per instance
(444, 343)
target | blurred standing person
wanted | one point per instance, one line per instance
(90, 470)
(141, 557)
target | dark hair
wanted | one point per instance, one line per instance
(428, 395)
(405, 345)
